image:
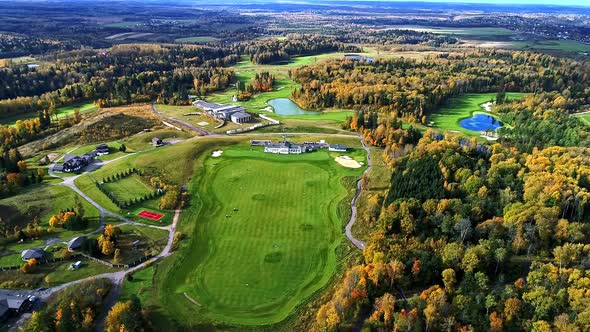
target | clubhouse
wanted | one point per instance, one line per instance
(286, 147)
(234, 113)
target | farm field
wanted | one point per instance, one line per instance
(271, 222)
(457, 109)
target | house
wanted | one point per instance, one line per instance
(224, 112)
(76, 265)
(36, 253)
(74, 163)
(102, 150)
(338, 148)
(76, 243)
(256, 142)
(157, 141)
(13, 304)
(241, 117)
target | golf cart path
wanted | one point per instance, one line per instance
(353, 216)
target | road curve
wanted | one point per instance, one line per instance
(348, 229)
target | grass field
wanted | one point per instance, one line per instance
(457, 109)
(585, 118)
(197, 39)
(552, 45)
(128, 188)
(278, 247)
(61, 112)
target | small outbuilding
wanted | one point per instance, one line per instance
(102, 150)
(36, 253)
(241, 117)
(76, 243)
(77, 265)
(157, 141)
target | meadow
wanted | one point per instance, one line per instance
(457, 109)
(271, 222)
(585, 118)
(128, 188)
(61, 112)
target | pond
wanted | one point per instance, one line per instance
(285, 106)
(358, 57)
(480, 122)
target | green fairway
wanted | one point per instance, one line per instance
(457, 109)
(266, 231)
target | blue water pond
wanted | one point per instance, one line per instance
(359, 58)
(285, 106)
(480, 122)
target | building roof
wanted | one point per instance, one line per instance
(241, 115)
(3, 307)
(338, 147)
(32, 253)
(206, 105)
(15, 302)
(102, 147)
(76, 243)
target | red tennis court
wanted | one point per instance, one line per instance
(150, 215)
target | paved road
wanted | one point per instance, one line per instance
(348, 229)
(200, 131)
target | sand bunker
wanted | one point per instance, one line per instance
(203, 123)
(346, 161)
(217, 153)
(487, 106)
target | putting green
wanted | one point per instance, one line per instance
(265, 239)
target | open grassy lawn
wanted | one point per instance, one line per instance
(552, 45)
(61, 112)
(263, 230)
(128, 188)
(457, 109)
(52, 274)
(197, 39)
(585, 118)
(42, 201)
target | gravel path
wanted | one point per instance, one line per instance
(348, 229)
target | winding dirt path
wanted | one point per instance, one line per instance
(353, 216)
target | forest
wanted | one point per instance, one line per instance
(413, 88)
(490, 239)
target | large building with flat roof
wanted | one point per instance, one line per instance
(234, 113)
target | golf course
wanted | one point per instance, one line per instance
(265, 232)
(448, 118)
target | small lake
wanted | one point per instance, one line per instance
(359, 57)
(285, 106)
(480, 122)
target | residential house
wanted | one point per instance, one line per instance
(76, 243)
(102, 150)
(36, 253)
(157, 141)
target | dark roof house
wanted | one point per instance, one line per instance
(36, 253)
(102, 149)
(157, 141)
(76, 243)
(338, 147)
